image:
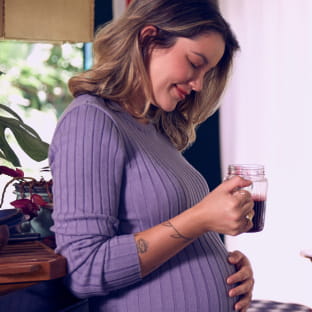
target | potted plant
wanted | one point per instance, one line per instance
(33, 197)
(34, 202)
(40, 193)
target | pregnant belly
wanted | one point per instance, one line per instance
(199, 274)
(192, 281)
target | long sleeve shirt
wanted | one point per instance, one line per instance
(113, 177)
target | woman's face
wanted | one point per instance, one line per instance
(176, 71)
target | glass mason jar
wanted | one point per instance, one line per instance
(258, 189)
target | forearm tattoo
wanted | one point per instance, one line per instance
(177, 234)
(141, 245)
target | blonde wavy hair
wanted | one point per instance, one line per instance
(121, 57)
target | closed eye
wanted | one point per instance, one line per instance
(194, 65)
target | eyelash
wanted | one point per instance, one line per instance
(194, 66)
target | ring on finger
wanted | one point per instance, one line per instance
(249, 216)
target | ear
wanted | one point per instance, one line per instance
(149, 30)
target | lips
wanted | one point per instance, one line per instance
(181, 92)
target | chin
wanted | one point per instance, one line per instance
(167, 106)
(169, 110)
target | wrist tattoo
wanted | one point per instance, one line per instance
(141, 245)
(177, 234)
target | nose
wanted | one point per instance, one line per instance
(197, 83)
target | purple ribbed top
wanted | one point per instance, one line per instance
(112, 177)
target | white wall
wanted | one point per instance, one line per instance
(266, 118)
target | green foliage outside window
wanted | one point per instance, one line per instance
(33, 77)
(36, 75)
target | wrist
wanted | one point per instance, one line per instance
(190, 222)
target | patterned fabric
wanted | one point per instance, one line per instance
(274, 306)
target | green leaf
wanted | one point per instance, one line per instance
(1, 154)
(9, 110)
(30, 130)
(3, 121)
(32, 146)
(6, 151)
(26, 137)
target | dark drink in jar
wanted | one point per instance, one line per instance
(258, 190)
(258, 219)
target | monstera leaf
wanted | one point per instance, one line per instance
(27, 138)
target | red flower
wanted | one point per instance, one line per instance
(37, 199)
(17, 173)
(29, 207)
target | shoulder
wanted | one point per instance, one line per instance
(89, 122)
(88, 116)
(91, 103)
(88, 111)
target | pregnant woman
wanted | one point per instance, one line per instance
(136, 222)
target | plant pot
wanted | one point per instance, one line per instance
(42, 223)
(41, 187)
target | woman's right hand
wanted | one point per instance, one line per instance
(224, 210)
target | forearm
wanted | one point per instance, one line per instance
(97, 266)
(161, 242)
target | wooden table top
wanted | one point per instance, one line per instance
(26, 263)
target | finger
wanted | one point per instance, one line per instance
(240, 276)
(242, 289)
(236, 183)
(247, 210)
(249, 220)
(243, 274)
(245, 213)
(249, 224)
(250, 215)
(244, 205)
(243, 303)
(243, 196)
(235, 257)
(235, 278)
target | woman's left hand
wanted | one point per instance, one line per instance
(244, 278)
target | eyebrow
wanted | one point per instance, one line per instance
(202, 56)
